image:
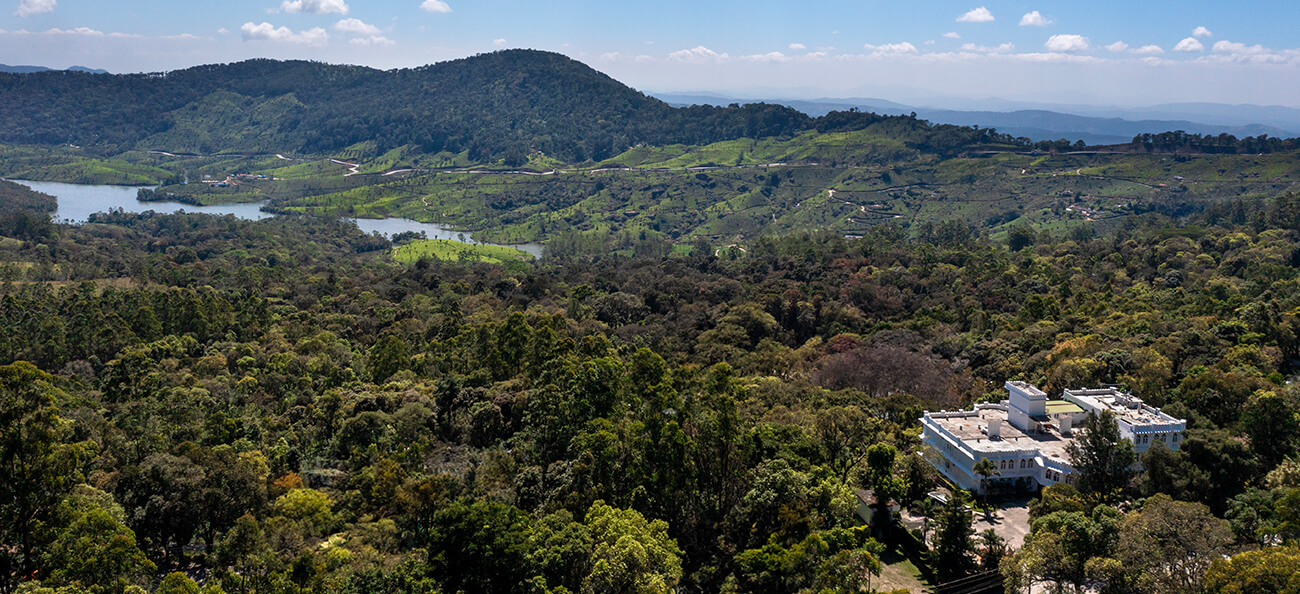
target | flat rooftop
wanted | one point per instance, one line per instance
(1125, 407)
(970, 427)
(1062, 407)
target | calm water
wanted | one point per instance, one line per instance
(390, 227)
(78, 201)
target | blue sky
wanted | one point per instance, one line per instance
(1104, 52)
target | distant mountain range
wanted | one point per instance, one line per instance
(1094, 125)
(32, 69)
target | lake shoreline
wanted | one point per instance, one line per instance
(76, 202)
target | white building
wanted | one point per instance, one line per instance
(1027, 435)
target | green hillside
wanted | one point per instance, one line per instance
(500, 105)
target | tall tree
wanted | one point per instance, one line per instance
(954, 547)
(37, 467)
(1058, 550)
(845, 433)
(630, 554)
(1167, 545)
(97, 551)
(1272, 421)
(1271, 570)
(1103, 460)
(480, 547)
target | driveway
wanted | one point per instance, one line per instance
(1010, 520)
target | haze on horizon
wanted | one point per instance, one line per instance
(1106, 52)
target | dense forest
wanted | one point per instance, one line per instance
(24, 214)
(1223, 144)
(193, 403)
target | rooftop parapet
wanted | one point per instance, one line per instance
(1027, 389)
(1127, 408)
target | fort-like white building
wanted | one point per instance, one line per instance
(1026, 435)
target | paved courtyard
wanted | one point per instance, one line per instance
(1010, 520)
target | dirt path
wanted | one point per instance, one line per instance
(352, 166)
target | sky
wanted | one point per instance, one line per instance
(1128, 53)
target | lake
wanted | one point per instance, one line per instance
(78, 201)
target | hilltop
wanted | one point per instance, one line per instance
(490, 106)
(31, 69)
(1093, 125)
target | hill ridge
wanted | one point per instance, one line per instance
(490, 105)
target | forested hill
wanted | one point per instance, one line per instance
(493, 106)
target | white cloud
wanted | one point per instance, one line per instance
(1117, 47)
(1189, 44)
(977, 15)
(499, 42)
(28, 8)
(610, 57)
(798, 47)
(1228, 47)
(268, 32)
(952, 35)
(1035, 19)
(1047, 57)
(768, 57)
(315, 6)
(356, 27)
(1202, 32)
(891, 48)
(77, 31)
(1068, 43)
(88, 32)
(223, 31)
(1228, 51)
(984, 49)
(1149, 50)
(372, 40)
(435, 6)
(698, 53)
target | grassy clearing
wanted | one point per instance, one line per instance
(308, 169)
(446, 249)
(859, 147)
(897, 572)
(71, 165)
